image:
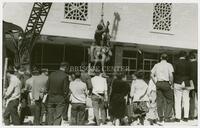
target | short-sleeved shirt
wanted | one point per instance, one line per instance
(78, 90)
(162, 70)
(39, 86)
(99, 84)
(138, 89)
(13, 90)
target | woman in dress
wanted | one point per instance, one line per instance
(120, 90)
(139, 97)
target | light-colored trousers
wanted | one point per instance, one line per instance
(182, 100)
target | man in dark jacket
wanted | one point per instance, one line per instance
(193, 93)
(57, 89)
(181, 86)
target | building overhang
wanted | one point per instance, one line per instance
(59, 40)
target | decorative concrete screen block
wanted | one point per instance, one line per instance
(162, 16)
(76, 11)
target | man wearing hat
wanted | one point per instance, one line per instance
(162, 72)
(57, 90)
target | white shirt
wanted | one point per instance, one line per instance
(138, 89)
(99, 84)
(13, 90)
(162, 70)
(79, 91)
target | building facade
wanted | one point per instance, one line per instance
(140, 31)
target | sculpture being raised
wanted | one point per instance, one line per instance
(100, 50)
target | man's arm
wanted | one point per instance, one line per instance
(171, 78)
(10, 89)
(106, 90)
(132, 89)
(153, 74)
(66, 85)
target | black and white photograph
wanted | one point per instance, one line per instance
(99, 63)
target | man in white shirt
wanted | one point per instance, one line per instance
(162, 72)
(78, 100)
(12, 95)
(99, 97)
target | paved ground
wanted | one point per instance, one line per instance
(181, 123)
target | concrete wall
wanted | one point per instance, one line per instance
(135, 25)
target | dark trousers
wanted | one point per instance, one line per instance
(11, 111)
(192, 104)
(43, 113)
(65, 112)
(37, 112)
(54, 113)
(164, 93)
(78, 114)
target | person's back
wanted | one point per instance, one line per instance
(162, 70)
(14, 83)
(182, 71)
(39, 85)
(78, 100)
(99, 84)
(78, 90)
(120, 87)
(138, 88)
(56, 82)
(57, 90)
(194, 72)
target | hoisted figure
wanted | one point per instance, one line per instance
(100, 50)
(100, 33)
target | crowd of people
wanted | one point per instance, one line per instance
(170, 95)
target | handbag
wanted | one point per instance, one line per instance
(140, 107)
(129, 107)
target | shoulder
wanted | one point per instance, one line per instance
(155, 66)
(83, 84)
(169, 65)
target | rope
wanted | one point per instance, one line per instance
(102, 11)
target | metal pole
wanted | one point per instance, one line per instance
(102, 11)
(4, 73)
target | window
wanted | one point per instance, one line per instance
(162, 16)
(130, 60)
(149, 60)
(76, 12)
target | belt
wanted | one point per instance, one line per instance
(101, 94)
(163, 81)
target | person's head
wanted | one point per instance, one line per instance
(22, 71)
(99, 26)
(64, 66)
(139, 74)
(163, 56)
(121, 75)
(83, 67)
(77, 75)
(17, 67)
(97, 72)
(182, 54)
(133, 76)
(193, 54)
(44, 71)
(35, 71)
(9, 71)
(114, 75)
